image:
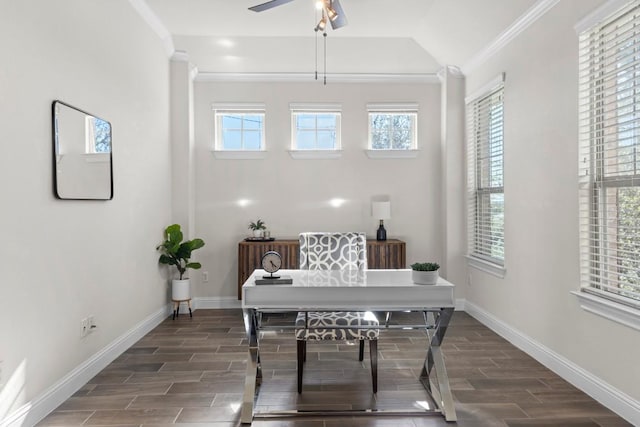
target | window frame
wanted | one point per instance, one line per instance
(221, 110)
(315, 110)
(603, 119)
(478, 110)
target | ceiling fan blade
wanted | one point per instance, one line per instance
(341, 19)
(269, 5)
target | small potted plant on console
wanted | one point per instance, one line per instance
(425, 273)
(258, 228)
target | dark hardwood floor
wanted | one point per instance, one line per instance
(190, 373)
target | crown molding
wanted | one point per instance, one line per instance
(156, 25)
(529, 17)
(310, 77)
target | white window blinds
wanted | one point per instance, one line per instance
(485, 175)
(609, 182)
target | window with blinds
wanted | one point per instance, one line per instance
(485, 141)
(609, 181)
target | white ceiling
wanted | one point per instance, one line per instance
(382, 36)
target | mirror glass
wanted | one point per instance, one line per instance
(82, 154)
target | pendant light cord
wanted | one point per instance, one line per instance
(324, 36)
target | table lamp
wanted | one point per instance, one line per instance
(381, 211)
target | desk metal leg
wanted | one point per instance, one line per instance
(439, 387)
(253, 375)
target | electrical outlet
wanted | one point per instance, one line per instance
(205, 276)
(84, 327)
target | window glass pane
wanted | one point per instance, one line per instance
(380, 140)
(627, 243)
(252, 122)
(231, 122)
(306, 140)
(326, 121)
(380, 122)
(252, 140)
(305, 121)
(232, 140)
(326, 140)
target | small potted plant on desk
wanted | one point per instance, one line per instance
(258, 228)
(176, 252)
(425, 273)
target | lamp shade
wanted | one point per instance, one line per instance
(381, 210)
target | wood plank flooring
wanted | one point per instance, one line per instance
(190, 372)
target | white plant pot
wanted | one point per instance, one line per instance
(180, 290)
(424, 277)
(258, 233)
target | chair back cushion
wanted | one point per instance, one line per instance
(333, 251)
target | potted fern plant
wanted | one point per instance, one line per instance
(177, 253)
(425, 273)
(258, 228)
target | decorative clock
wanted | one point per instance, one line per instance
(271, 263)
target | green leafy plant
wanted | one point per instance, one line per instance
(425, 266)
(258, 225)
(176, 252)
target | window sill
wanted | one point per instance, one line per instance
(486, 266)
(392, 154)
(608, 309)
(315, 154)
(240, 154)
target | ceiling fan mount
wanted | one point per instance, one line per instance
(331, 11)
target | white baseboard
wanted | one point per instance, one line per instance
(614, 399)
(33, 412)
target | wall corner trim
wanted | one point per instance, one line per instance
(609, 396)
(519, 25)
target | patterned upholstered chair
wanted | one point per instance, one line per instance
(336, 251)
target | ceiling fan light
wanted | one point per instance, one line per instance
(331, 13)
(322, 24)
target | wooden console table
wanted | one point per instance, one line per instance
(388, 254)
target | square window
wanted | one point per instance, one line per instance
(239, 130)
(392, 130)
(315, 130)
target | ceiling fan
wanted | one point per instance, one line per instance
(331, 9)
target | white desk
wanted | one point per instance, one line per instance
(351, 290)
